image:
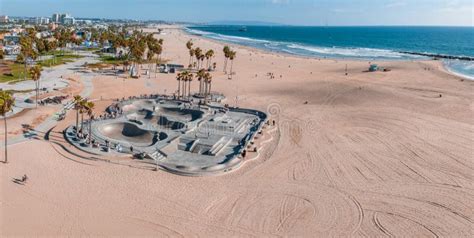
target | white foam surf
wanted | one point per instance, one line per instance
(306, 50)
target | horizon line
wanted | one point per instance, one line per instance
(242, 23)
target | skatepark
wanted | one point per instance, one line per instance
(183, 137)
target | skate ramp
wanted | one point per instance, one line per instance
(186, 114)
(128, 132)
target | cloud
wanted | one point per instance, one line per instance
(454, 6)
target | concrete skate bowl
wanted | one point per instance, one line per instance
(131, 133)
(167, 103)
(140, 115)
(144, 104)
(184, 114)
(130, 108)
(169, 124)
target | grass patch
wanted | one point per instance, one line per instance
(107, 59)
(58, 60)
(11, 71)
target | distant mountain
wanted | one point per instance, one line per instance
(244, 23)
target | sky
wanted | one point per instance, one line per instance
(291, 12)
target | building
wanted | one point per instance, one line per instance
(69, 21)
(11, 39)
(4, 19)
(63, 16)
(55, 18)
(42, 21)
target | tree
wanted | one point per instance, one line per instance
(189, 79)
(137, 48)
(6, 104)
(184, 76)
(77, 106)
(209, 54)
(82, 110)
(226, 56)
(208, 81)
(27, 51)
(198, 55)
(179, 77)
(189, 45)
(89, 108)
(191, 55)
(200, 76)
(35, 73)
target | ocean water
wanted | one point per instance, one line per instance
(364, 43)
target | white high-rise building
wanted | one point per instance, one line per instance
(4, 19)
(42, 20)
(64, 16)
(55, 18)
(69, 21)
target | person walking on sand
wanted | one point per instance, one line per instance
(24, 178)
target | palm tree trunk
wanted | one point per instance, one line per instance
(6, 138)
(210, 84)
(77, 122)
(36, 92)
(189, 90)
(179, 87)
(205, 92)
(231, 67)
(90, 130)
(82, 121)
(184, 89)
(200, 87)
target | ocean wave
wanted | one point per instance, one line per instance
(350, 52)
(461, 68)
(306, 50)
(225, 37)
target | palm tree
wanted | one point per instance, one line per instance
(149, 57)
(190, 79)
(208, 82)
(6, 104)
(198, 55)
(77, 106)
(27, 51)
(185, 80)
(191, 56)
(35, 73)
(137, 48)
(232, 56)
(90, 107)
(209, 55)
(179, 77)
(82, 110)
(189, 45)
(226, 55)
(200, 75)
